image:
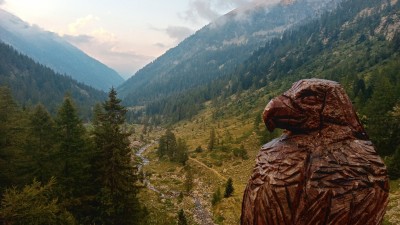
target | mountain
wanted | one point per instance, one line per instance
(357, 45)
(53, 51)
(33, 83)
(218, 48)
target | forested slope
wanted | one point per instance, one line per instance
(357, 45)
(216, 49)
(32, 83)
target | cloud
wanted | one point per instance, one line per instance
(83, 38)
(2, 2)
(160, 45)
(87, 34)
(209, 10)
(178, 32)
(81, 23)
(124, 60)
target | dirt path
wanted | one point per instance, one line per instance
(209, 168)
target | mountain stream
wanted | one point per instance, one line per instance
(202, 216)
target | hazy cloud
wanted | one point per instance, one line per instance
(83, 38)
(160, 45)
(87, 34)
(209, 10)
(2, 2)
(81, 23)
(178, 32)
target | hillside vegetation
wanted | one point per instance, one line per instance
(356, 45)
(216, 49)
(32, 83)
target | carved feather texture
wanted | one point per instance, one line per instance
(314, 174)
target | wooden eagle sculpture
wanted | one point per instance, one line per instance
(322, 170)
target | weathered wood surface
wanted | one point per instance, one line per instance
(323, 170)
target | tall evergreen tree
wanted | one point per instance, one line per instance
(181, 152)
(73, 156)
(72, 148)
(182, 218)
(40, 144)
(9, 126)
(167, 145)
(211, 142)
(116, 174)
(228, 188)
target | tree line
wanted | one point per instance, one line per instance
(58, 170)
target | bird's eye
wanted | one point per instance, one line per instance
(309, 97)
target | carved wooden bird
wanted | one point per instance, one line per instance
(322, 170)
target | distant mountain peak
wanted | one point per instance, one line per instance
(51, 50)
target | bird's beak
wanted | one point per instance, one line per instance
(280, 113)
(268, 115)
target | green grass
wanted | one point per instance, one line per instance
(233, 131)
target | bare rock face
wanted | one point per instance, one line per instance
(322, 170)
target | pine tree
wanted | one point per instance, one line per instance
(217, 196)
(228, 188)
(167, 145)
(76, 186)
(41, 144)
(9, 127)
(182, 218)
(211, 142)
(116, 174)
(72, 153)
(181, 152)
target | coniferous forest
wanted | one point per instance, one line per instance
(57, 170)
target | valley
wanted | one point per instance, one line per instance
(163, 145)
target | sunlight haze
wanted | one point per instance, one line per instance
(125, 35)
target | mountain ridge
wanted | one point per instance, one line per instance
(215, 50)
(53, 51)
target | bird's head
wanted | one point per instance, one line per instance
(310, 105)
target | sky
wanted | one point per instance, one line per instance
(123, 34)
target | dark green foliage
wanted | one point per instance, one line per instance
(40, 145)
(240, 152)
(35, 204)
(9, 141)
(96, 181)
(228, 188)
(175, 150)
(73, 155)
(182, 218)
(216, 197)
(181, 152)
(116, 176)
(212, 140)
(394, 165)
(70, 134)
(167, 145)
(199, 149)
